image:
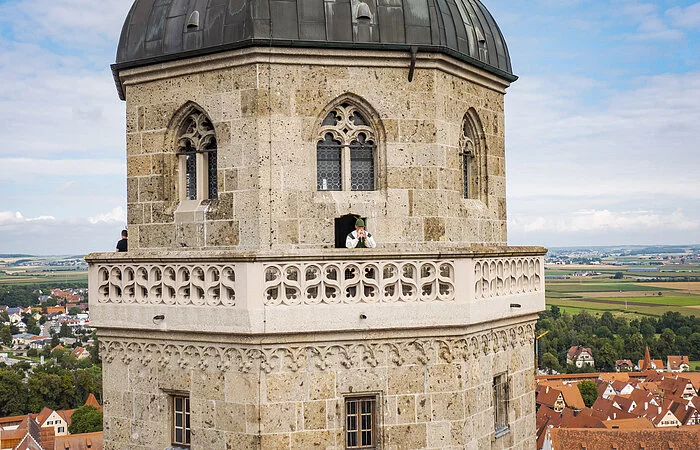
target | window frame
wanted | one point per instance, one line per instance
(501, 401)
(374, 426)
(186, 414)
(472, 152)
(196, 136)
(339, 122)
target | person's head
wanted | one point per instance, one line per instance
(359, 224)
(125, 234)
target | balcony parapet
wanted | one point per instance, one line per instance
(326, 290)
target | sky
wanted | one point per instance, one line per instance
(602, 127)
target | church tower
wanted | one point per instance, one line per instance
(257, 133)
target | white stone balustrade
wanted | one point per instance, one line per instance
(239, 293)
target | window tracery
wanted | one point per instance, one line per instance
(345, 151)
(473, 163)
(197, 151)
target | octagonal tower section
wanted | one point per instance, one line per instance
(257, 133)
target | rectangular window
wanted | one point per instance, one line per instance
(181, 420)
(61, 429)
(500, 405)
(361, 422)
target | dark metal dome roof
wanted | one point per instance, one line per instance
(161, 30)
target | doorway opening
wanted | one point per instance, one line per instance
(343, 226)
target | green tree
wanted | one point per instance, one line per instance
(603, 332)
(65, 331)
(606, 356)
(74, 311)
(86, 419)
(53, 390)
(4, 317)
(618, 276)
(6, 335)
(32, 353)
(13, 393)
(589, 392)
(647, 330)
(549, 361)
(555, 311)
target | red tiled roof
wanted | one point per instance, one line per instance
(43, 415)
(683, 438)
(85, 441)
(92, 401)
(628, 424)
(576, 350)
(674, 362)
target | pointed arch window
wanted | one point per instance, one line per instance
(197, 153)
(345, 151)
(473, 160)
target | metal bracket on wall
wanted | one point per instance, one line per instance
(414, 53)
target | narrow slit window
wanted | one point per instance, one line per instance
(500, 405)
(472, 157)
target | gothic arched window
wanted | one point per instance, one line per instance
(473, 159)
(197, 151)
(345, 151)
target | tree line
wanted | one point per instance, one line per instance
(612, 338)
(26, 295)
(63, 383)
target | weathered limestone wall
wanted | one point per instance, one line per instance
(434, 392)
(267, 111)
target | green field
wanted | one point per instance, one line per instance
(597, 286)
(42, 277)
(625, 296)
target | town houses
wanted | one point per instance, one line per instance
(641, 404)
(47, 430)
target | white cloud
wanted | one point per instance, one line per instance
(605, 220)
(46, 235)
(588, 140)
(118, 214)
(11, 218)
(75, 22)
(688, 17)
(61, 168)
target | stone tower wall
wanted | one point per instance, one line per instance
(267, 110)
(434, 392)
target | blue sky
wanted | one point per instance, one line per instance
(602, 128)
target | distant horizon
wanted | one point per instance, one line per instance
(79, 254)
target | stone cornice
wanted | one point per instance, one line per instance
(316, 356)
(306, 56)
(146, 256)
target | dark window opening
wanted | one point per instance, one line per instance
(343, 226)
(500, 405)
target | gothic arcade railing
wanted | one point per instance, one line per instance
(325, 280)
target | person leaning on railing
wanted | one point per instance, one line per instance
(360, 238)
